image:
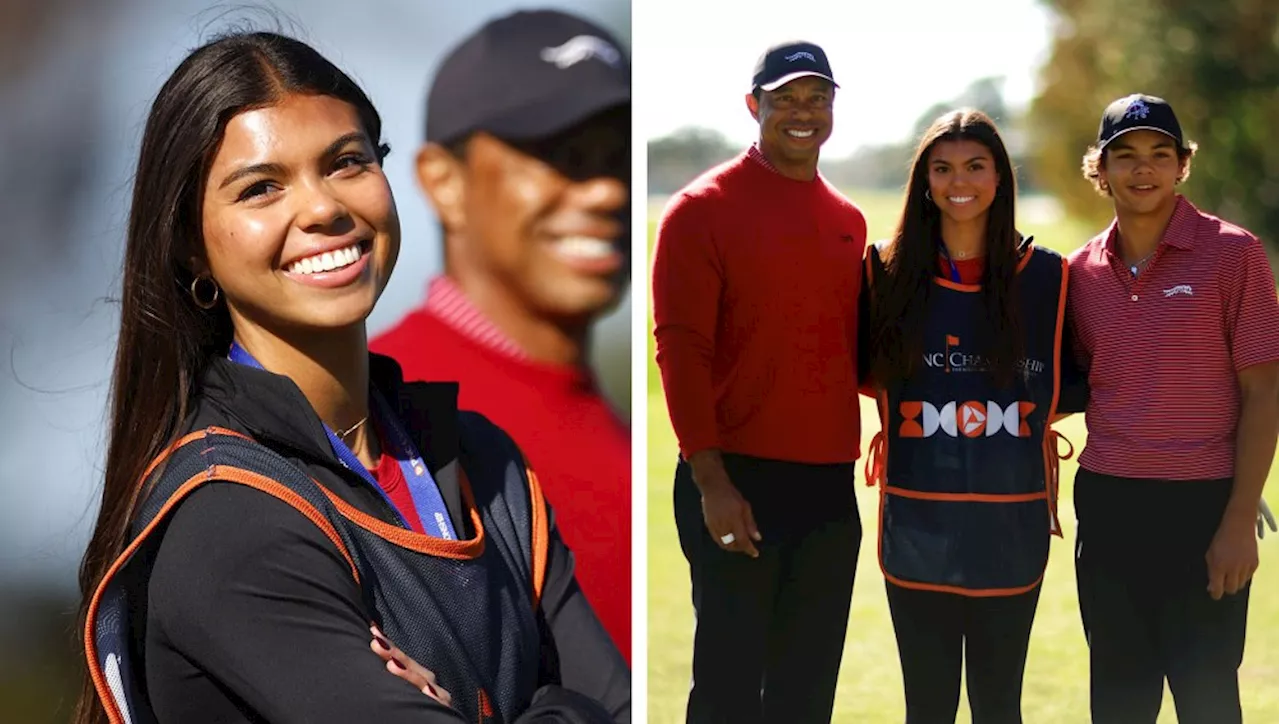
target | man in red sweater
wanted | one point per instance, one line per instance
(755, 286)
(527, 164)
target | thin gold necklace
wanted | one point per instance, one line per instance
(353, 428)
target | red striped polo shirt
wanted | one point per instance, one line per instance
(447, 302)
(1163, 349)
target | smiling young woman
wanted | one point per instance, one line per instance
(272, 489)
(963, 328)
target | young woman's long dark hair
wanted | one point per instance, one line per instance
(901, 300)
(166, 340)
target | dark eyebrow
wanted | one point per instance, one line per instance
(343, 140)
(275, 168)
(977, 158)
(257, 168)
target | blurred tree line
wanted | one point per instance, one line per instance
(1215, 62)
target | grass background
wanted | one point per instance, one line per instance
(1055, 687)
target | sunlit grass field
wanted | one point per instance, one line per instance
(870, 686)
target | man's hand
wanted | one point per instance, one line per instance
(1233, 554)
(1265, 519)
(726, 513)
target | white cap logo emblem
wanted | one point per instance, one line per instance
(580, 48)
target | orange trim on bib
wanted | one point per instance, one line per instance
(1051, 436)
(959, 287)
(172, 448)
(461, 550)
(541, 535)
(965, 497)
(213, 473)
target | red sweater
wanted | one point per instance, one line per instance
(577, 445)
(755, 289)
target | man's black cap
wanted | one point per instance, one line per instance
(1138, 112)
(525, 76)
(785, 62)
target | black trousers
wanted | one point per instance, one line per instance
(935, 631)
(770, 630)
(1142, 581)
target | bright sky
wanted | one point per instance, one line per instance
(893, 60)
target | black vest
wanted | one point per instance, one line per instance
(465, 606)
(968, 471)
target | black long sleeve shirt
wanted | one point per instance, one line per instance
(252, 615)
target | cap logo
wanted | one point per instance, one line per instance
(801, 54)
(1137, 110)
(580, 48)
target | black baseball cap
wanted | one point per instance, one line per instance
(785, 62)
(1138, 112)
(526, 76)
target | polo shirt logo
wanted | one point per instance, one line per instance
(1137, 110)
(1179, 289)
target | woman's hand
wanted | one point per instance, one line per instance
(399, 663)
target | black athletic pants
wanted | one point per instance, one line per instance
(770, 630)
(1142, 581)
(936, 631)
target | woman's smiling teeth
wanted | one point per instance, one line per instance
(960, 200)
(328, 261)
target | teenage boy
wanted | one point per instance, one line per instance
(1174, 314)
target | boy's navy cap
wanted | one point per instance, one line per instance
(1138, 112)
(785, 62)
(525, 76)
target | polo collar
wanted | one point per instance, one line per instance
(1180, 233)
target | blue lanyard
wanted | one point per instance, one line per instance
(955, 272)
(427, 500)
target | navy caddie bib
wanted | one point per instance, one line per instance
(467, 609)
(968, 470)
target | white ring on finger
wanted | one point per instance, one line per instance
(728, 538)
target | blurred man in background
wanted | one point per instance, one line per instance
(527, 165)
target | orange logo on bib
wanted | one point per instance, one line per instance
(969, 419)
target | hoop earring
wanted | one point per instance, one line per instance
(928, 195)
(212, 301)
